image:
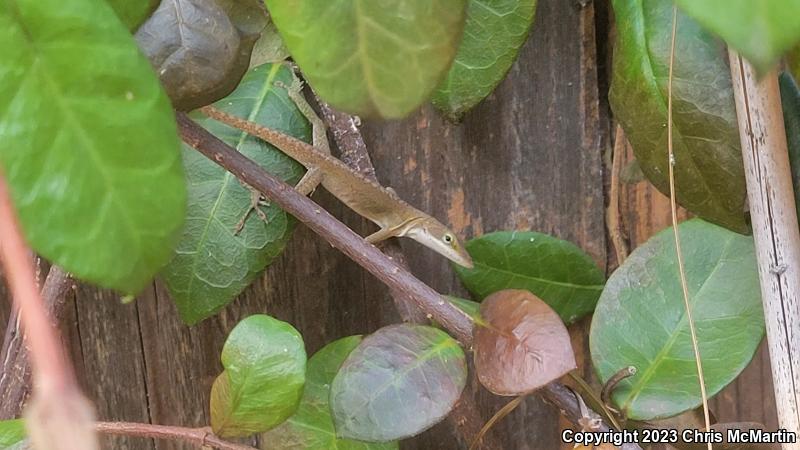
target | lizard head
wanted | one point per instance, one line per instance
(434, 235)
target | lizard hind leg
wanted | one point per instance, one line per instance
(318, 132)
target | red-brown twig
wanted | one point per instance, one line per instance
(202, 437)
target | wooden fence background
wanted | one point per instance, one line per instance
(533, 156)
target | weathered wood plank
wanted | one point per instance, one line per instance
(529, 157)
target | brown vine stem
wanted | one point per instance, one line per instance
(202, 437)
(676, 233)
(327, 226)
(352, 245)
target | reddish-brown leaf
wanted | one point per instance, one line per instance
(523, 346)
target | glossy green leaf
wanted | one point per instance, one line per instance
(640, 319)
(261, 386)
(201, 48)
(12, 432)
(493, 34)
(213, 263)
(371, 57)
(88, 142)
(761, 31)
(397, 383)
(133, 12)
(709, 174)
(556, 271)
(790, 101)
(311, 427)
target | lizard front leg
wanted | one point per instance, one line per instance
(313, 176)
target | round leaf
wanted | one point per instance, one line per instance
(311, 427)
(524, 345)
(182, 37)
(88, 142)
(398, 382)
(493, 34)
(640, 319)
(261, 386)
(371, 57)
(556, 271)
(709, 173)
(213, 263)
(761, 31)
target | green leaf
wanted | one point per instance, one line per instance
(640, 319)
(709, 173)
(261, 386)
(213, 263)
(793, 61)
(761, 31)
(468, 306)
(556, 271)
(397, 383)
(790, 102)
(88, 142)
(183, 36)
(12, 432)
(371, 58)
(269, 48)
(493, 34)
(311, 427)
(133, 12)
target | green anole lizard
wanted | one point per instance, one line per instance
(381, 205)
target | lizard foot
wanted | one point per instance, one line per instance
(255, 205)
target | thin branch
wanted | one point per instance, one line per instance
(327, 226)
(352, 245)
(612, 214)
(15, 370)
(47, 358)
(676, 232)
(202, 437)
(611, 384)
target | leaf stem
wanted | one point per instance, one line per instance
(202, 437)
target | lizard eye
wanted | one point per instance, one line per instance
(448, 238)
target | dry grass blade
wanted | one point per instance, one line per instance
(674, 210)
(499, 415)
